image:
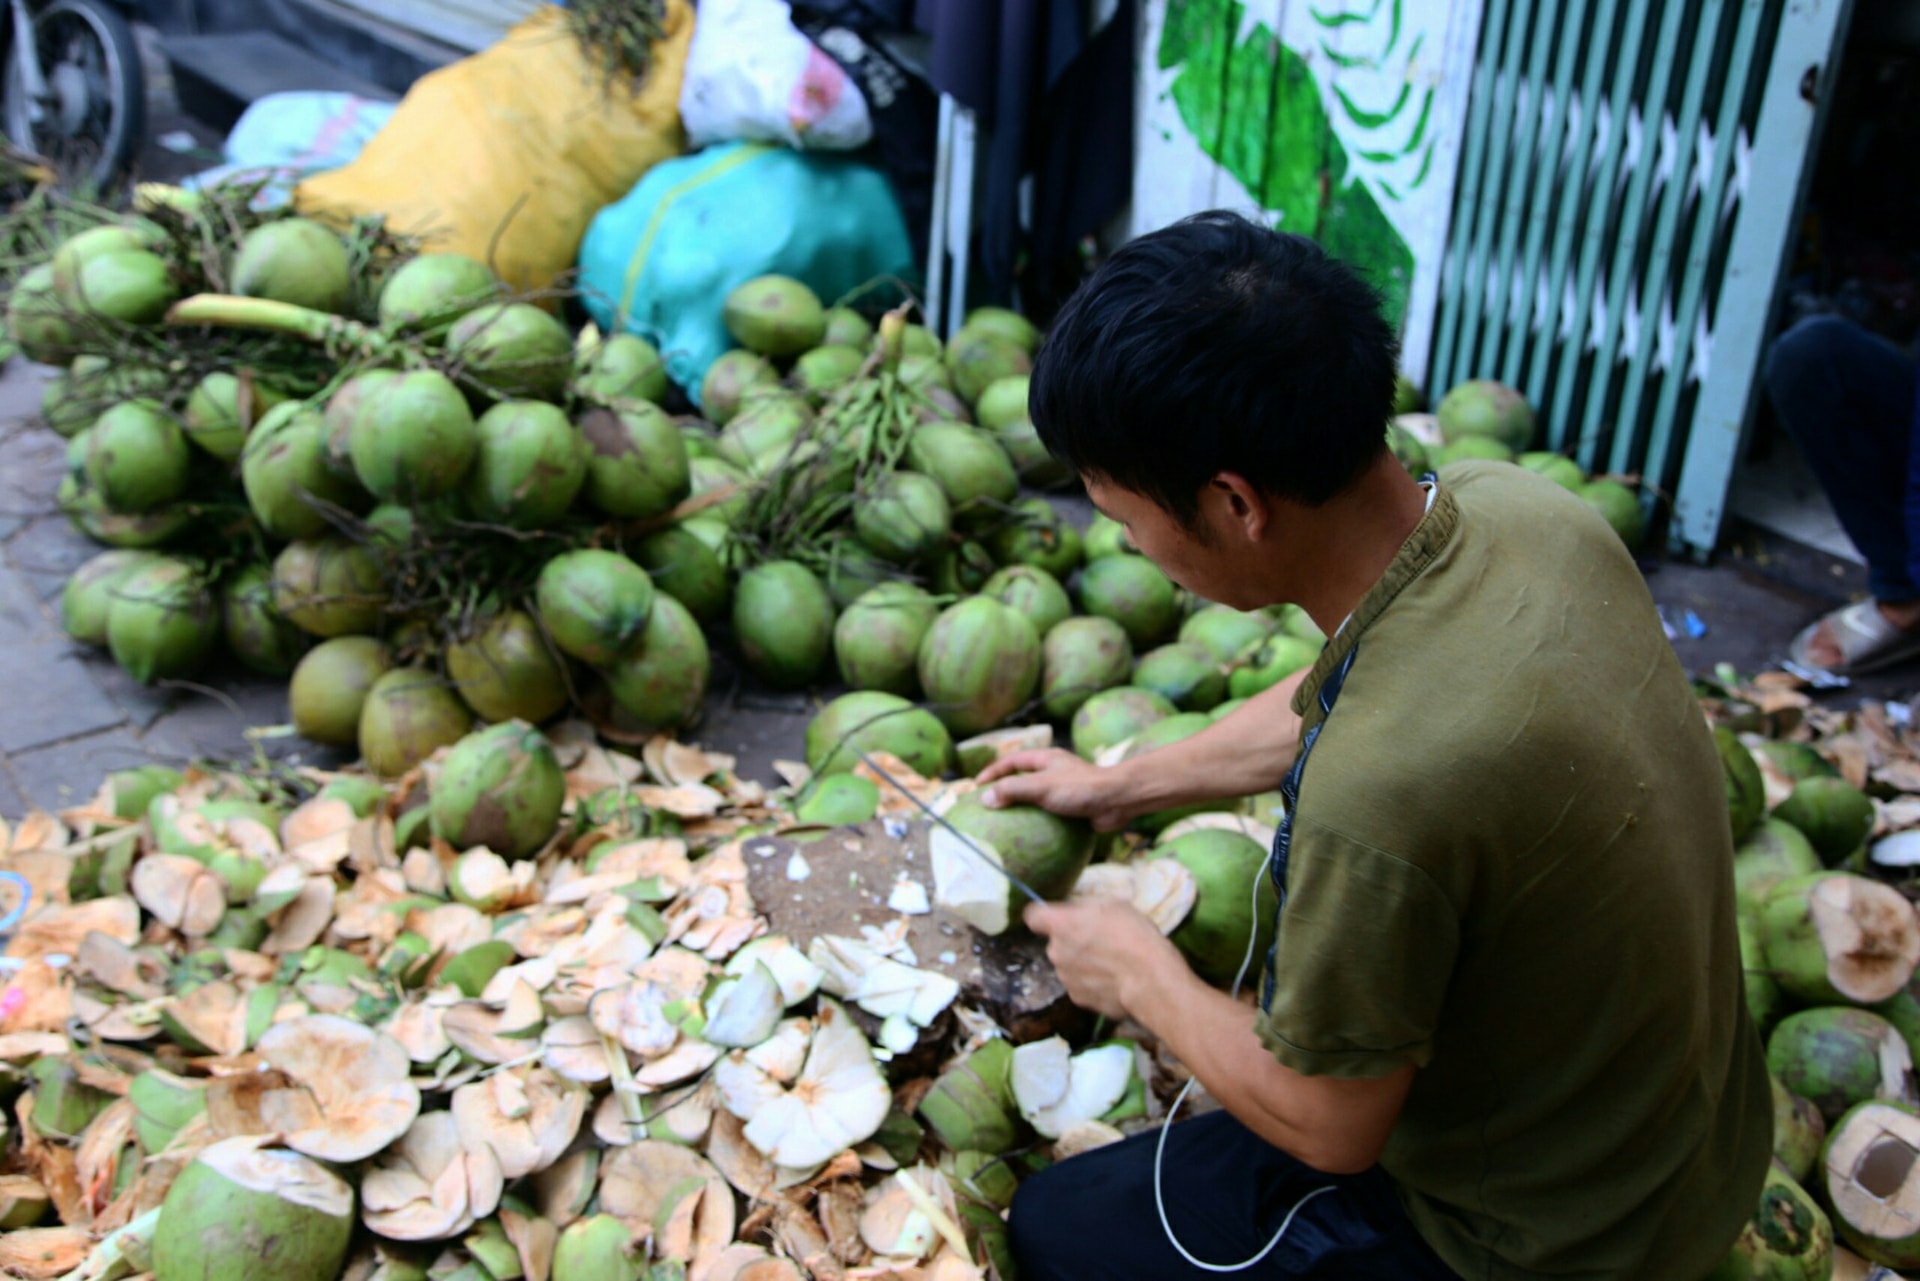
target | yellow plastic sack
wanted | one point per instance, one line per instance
(507, 155)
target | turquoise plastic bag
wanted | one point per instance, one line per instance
(661, 262)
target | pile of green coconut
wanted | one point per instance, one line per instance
(514, 1015)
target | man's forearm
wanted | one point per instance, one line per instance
(1246, 752)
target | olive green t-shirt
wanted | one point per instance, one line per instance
(1511, 867)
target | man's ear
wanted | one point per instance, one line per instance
(1240, 505)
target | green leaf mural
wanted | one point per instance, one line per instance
(1254, 109)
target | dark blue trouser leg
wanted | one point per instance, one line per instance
(1092, 1217)
(1847, 399)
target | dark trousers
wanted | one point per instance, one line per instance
(1092, 1217)
(1847, 399)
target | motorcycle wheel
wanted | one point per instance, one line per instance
(93, 120)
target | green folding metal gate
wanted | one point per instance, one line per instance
(1628, 184)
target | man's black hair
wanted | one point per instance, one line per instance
(1217, 345)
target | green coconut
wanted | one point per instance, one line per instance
(979, 664)
(1036, 467)
(825, 369)
(847, 328)
(783, 623)
(637, 463)
(1003, 403)
(925, 374)
(1079, 658)
(163, 1103)
(83, 247)
(714, 475)
(1558, 468)
(137, 457)
(1798, 1131)
(1035, 534)
(1486, 409)
(148, 529)
(1190, 677)
(1773, 852)
(329, 587)
(971, 1104)
(163, 621)
(1620, 506)
(918, 340)
(1836, 1057)
(1007, 324)
(1215, 936)
(1746, 791)
(1032, 593)
(502, 788)
(243, 1210)
(89, 593)
(621, 371)
(853, 571)
(839, 800)
(876, 640)
(1765, 1002)
(133, 287)
(294, 260)
(1471, 447)
(728, 381)
(598, 1248)
(775, 316)
(1114, 716)
(978, 358)
(37, 321)
(223, 409)
(414, 440)
(514, 351)
(257, 633)
(662, 682)
(1133, 592)
(505, 670)
(329, 688)
(1789, 1238)
(66, 405)
(131, 791)
(1868, 1179)
(408, 714)
(1834, 815)
(1224, 632)
(1268, 663)
(873, 721)
(1107, 537)
(528, 464)
(687, 569)
(594, 604)
(429, 293)
(1794, 760)
(1043, 849)
(1406, 447)
(284, 470)
(905, 517)
(1834, 936)
(760, 438)
(970, 467)
(64, 1105)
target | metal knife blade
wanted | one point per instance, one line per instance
(963, 838)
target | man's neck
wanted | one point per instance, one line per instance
(1356, 536)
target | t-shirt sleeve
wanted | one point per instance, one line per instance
(1364, 955)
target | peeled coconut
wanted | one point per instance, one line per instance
(594, 604)
(514, 350)
(1190, 677)
(1834, 937)
(89, 593)
(505, 670)
(662, 682)
(876, 640)
(414, 440)
(1035, 594)
(329, 688)
(294, 260)
(1046, 851)
(783, 622)
(329, 587)
(1133, 592)
(979, 664)
(163, 621)
(1114, 716)
(1620, 506)
(1773, 852)
(284, 470)
(1788, 1237)
(245, 1209)
(1268, 663)
(1079, 658)
(1225, 919)
(873, 721)
(620, 370)
(408, 713)
(257, 633)
(1869, 1178)
(775, 316)
(728, 381)
(904, 518)
(1035, 535)
(429, 293)
(528, 464)
(637, 462)
(1486, 408)
(137, 457)
(1834, 815)
(502, 788)
(223, 409)
(969, 465)
(1836, 1057)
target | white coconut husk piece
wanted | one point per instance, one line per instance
(319, 833)
(839, 1099)
(1084, 1136)
(641, 1179)
(750, 1263)
(694, 1226)
(573, 1049)
(214, 1014)
(40, 997)
(1160, 889)
(856, 970)
(1056, 1089)
(488, 883)
(114, 965)
(427, 1187)
(420, 1025)
(42, 1254)
(798, 977)
(39, 830)
(179, 892)
(126, 1022)
(911, 1215)
(752, 1175)
(355, 1097)
(683, 800)
(528, 1116)
(58, 930)
(689, 1057)
(300, 924)
(450, 928)
(495, 1032)
(674, 763)
(423, 873)
(636, 1015)
(533, 1239)
(562, 1191)
(537, 973)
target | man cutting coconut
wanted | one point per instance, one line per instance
(1502, 1032)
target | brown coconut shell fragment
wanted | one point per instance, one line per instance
(180, 893)
(427, 1187)
(356, 1096)
(1870, 934)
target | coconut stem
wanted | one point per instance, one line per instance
(893, 336)
(227, 311)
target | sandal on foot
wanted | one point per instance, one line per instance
(1866, 640)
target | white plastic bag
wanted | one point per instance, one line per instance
(752, 77)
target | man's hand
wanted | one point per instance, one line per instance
(1104, 952)
(1062, 783)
